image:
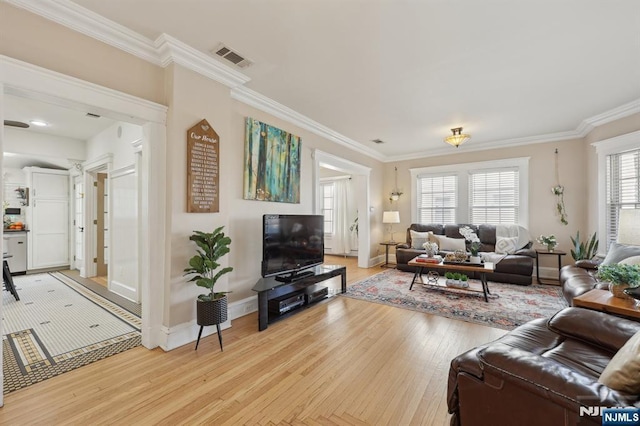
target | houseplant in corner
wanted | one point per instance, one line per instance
(211, 306)
(620, 277)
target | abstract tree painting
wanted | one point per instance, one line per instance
(271, 163)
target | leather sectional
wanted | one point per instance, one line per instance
(541, 373)
(514, 268)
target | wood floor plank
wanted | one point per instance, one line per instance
(341, 362)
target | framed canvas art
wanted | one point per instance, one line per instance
(271, 163)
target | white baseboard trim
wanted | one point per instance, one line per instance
(377, 261)
(243, 307)
(186, 333)
(126, 291)
(548, 273)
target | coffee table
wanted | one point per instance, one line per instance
(458, 267)
(604, 301)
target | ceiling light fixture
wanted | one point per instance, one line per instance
(39, 123)
(457, 138)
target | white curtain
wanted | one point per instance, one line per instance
(341, 237)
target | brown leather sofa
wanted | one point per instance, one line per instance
(579, 278)
(541, 372)
(514, 268)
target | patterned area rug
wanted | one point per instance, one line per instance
(509, 305)
(57, 326)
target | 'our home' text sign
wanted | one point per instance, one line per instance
(203, 153)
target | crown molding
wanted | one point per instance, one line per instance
(166, 49)
(583, 129)
(263, 103)
(171, 49)
(75, 17)
(614, 114)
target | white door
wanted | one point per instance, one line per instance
(78, 224)
(50, 220)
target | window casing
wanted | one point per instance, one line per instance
(622, 188)
(485, 192)
(326, 206)
(493, 196)
(438, 199)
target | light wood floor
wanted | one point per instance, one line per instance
(341, 362)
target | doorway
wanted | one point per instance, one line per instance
(360, 177)
(52, 87)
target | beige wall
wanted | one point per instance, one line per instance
(610, 130)
(542, 217)
(41, 42)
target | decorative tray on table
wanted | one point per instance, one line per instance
(463, 262)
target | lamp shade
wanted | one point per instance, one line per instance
(629, 226)
(391, 217)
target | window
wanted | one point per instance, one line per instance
(326, 207)
(493, 196)
(483, 192)
(622, 187)
(437, 195)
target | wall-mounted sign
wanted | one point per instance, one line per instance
(203, 154)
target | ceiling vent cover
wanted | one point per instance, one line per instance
(231, 56)
(378, 141)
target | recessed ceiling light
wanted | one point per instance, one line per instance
(39, 123)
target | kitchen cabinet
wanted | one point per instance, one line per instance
(48, 218)
(15, 245)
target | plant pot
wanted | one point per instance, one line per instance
(550, 248)
(618, 290)
(212, 312)
(475, 259)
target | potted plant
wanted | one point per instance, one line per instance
(620, 277)
(583, 250)
(211, 306)
(474, 243)
(549, 241)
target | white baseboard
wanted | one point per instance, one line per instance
(547, 273)
(126, 291)
(186, 333)
(377, 261)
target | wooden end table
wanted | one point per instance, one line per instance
(482, 269)
(386, 245)
(558, 253)
(604, 301)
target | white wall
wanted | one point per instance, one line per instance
(55, 149)
(115, 140)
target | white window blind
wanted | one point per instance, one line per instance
(493, 196)
(623, 188)
(437, 197)
(327, 206)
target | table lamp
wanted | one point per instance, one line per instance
(391, 217)
(629, 226)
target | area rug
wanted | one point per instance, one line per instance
(58, 326)
(509, 305)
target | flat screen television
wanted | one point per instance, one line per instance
(291, 243)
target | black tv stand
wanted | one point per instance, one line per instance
(294, 276)
(271, 288)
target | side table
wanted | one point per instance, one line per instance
(558, 253)
(604, 301)
(386, 245)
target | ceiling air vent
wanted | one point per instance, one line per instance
(377, 141)
(232, 56)
(92, 115)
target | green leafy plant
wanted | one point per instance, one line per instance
(584, 251)
(455, 276)
(211, 247)
(619, 274)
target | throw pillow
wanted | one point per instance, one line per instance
(618, 252)
(419, 238)
(623, 371)
(633, 260)
(506, 245)
(450, 244)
